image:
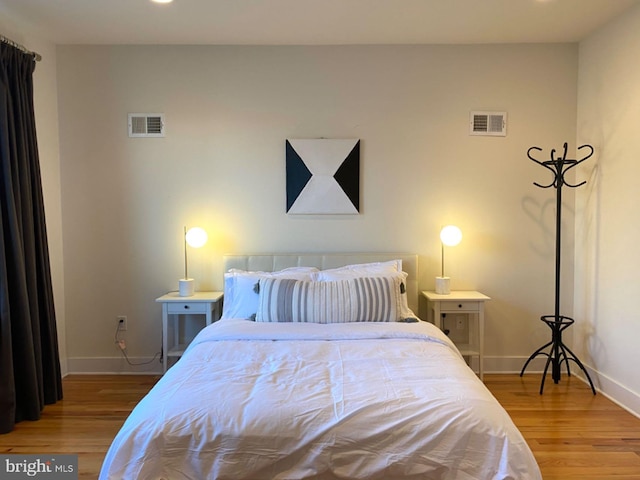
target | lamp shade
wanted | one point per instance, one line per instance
(196, 237)
(450, 235)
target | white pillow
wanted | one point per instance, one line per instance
(342, 274)
(240, 294)
(363, 299)
(361, 268)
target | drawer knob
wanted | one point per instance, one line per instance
(186, 307)
(459, 305)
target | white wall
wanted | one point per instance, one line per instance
(221, 166)
(229, 110)
(607, 223)
(46, 110)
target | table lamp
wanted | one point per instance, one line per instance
(449, 236)
(196, 237)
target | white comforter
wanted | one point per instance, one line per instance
(290, 401)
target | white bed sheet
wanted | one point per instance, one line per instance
(292, 401)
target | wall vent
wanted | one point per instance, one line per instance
(488, 123)
(146, 125)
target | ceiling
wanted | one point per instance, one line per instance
(313, 22)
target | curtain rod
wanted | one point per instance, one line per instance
(36, 56)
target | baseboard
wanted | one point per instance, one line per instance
(512, 364)
(614, 391)
(117, 365)
(617, 393)
(114, 365)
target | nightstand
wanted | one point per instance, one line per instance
(174, 307)
(466, 302)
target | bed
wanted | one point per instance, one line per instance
(320, 369)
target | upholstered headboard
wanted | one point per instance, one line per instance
(323, 261)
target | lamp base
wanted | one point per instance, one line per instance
(443, 285)
(186, 287)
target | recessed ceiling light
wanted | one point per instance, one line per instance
(162, 1)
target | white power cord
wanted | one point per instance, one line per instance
(123, 349)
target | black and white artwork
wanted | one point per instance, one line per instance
(323, 176)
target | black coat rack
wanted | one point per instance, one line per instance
(559, 352)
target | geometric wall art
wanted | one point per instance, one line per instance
(323, 176)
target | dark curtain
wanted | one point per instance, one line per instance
(29, 363)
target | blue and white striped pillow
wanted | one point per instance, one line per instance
(368, 299)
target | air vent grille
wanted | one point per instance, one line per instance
(146, 125)
(488, 123)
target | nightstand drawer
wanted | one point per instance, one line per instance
(460, 306)
(187, 307)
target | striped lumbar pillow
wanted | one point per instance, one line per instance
(370, 299)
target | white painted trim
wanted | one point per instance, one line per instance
(113, 365)
(512, 364)
(614, 391)
(617, 393)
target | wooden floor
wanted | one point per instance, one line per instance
(84, 422)
(573, 434)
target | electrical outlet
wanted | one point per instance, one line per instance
(460, 322)
(122, 323)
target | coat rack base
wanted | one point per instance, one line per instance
(558, 352)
